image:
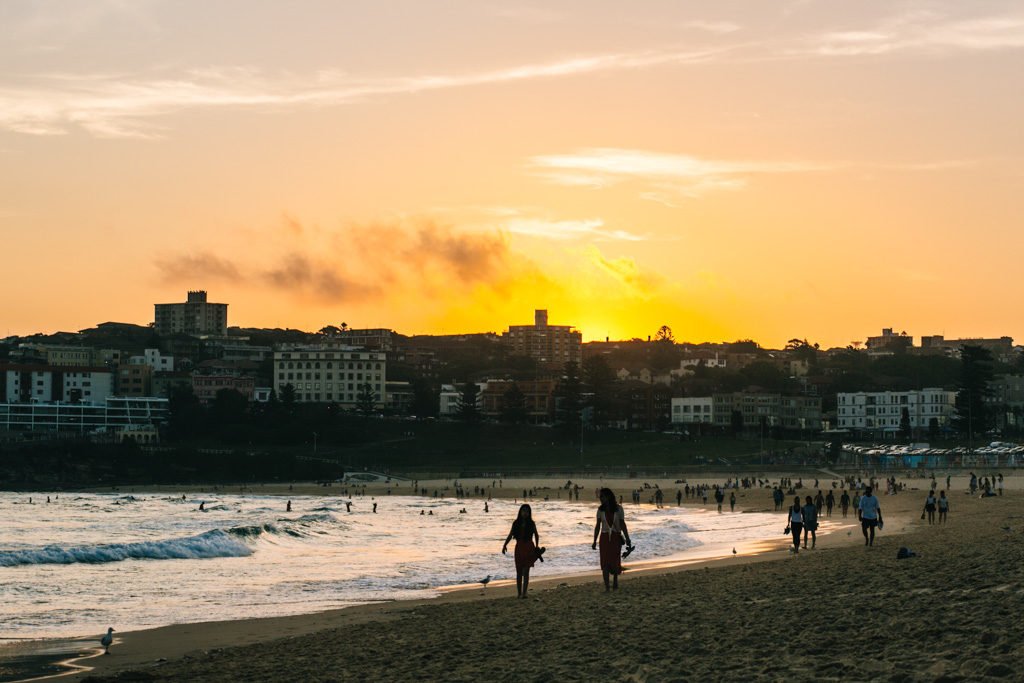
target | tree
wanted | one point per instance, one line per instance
(467, 408)
(599, 380)
(330, 330)
(513, 405)
(229, 407)
(736, 421)
(570, 399)
(973, 417)
(425, 398)
(185, 413)
(933, 429)
(905, 423)
(288, 397)
(743, 346)
(665, 334)
(366, 399)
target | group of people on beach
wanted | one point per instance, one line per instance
(803, 517)
(610, 534)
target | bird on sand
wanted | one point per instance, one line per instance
(486, 580)
(107, 640)
(734, 551)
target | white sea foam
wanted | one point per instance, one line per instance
(214, 543)
(157, 561)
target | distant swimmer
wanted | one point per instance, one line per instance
(430, 514)
(374, 508)
(486, 509)
(289, 507)
(202, 506)
(107, 640)
(423, 512)
(348, 506)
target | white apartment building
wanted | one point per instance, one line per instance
(882, 410)
(692, 409)
(330, 374)
(52, 384)
(111, 415)
(154, 359)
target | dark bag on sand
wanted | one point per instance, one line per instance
(904, 552)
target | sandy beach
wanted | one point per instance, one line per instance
(839, 612)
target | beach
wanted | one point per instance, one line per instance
(839, 612)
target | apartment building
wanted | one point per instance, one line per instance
(882, 411)
(51, 384)
(552, 346)
(195, 316)
(328, 373)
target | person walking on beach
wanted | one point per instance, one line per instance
(796, 523)
(679, 497)
(943, 504)
(719, 497)
(732, 502)
(930, 503)
(610, 531)
(524, 530)
(830, 502)
(811, 522)
(819, 502)
(844, 503)
(870, 514)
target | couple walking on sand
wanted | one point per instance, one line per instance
(609, 532)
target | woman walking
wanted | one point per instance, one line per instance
(610, 530)
(796, 522)
(524, 530)
(811, 511)
(943, 507)
(929, 507)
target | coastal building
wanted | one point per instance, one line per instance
(196, 316)
(692, 409)
(1001, 348)
(328, 373)
(46, 384)
(206, 386)
(135, 379)
(889, 340)
(752, 410)
(114, 414)
(882, 411)
(154, 359)
(538, 399)
(551, 346)
(378, 339)
(65, 355)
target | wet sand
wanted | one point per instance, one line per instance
(839, 612)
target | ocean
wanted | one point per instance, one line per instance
(84, 562)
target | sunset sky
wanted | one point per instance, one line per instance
(753, 169)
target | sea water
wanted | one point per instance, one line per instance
(84, 562)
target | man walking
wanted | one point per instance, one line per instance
(870, 514)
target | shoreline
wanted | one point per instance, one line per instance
(144, 648)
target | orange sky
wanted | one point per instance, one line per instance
(731, 169)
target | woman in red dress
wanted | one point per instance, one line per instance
(610, 530)
(524, 530)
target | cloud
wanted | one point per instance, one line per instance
(665, 175)
(568, 229)
(112, 106)
(922, 32)
(718, 27)
(626, 271)
(299, 273)
(196, 268)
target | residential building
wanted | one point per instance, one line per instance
(64, 355)
(1002, 349)
(882, 411)
(114, 414)
(889, 340)
(206, 386)
(164, 383)
(642, 406)
(538, 399)
(795, 413)
(400, 396)
(378, 339)
(328, 373)
(551, 346)
(135, 379)
(692, 409)
(1007, 400)
(51, 384)
(196, 316)
(154, 359)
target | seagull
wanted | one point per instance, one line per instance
(734, 551)
(106, 640)
(486, 580)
